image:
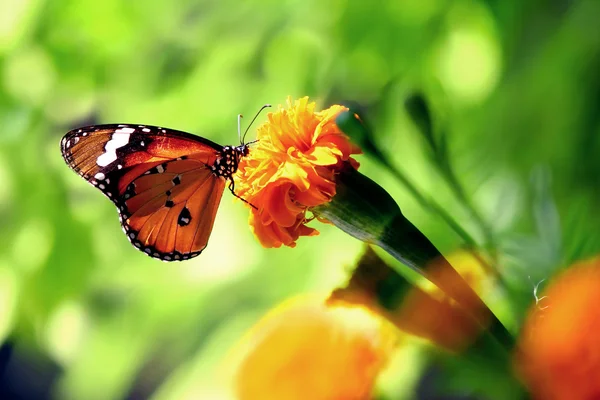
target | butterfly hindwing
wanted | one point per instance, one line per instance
(160, 180)
(170, 214)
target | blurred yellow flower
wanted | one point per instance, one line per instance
(474, 275)
(291, 169)
(472, 271)
(559, 353)
(305, 349)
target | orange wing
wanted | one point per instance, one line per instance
(160, 180)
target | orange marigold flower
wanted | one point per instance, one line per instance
(559, 352)
(291, 169)
(305, 349)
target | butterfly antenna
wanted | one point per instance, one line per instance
(253, 119)
(240, 116)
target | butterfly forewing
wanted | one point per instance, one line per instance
(161, 181)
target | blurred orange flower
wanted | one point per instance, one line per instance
(427, 313)
(291, 169)
(559, 353)
(305, 349)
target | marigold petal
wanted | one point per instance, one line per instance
(294, 173)
(322, 190)
(340, 146)
(270, 234)
(266, 235)
(281, 207)
(323, 155)
(327, 124)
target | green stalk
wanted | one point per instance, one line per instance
(357, 130)
(366, 211)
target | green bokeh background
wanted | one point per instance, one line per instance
(514, 86)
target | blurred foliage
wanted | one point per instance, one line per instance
(513, 88)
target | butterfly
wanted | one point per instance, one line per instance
(166, 184)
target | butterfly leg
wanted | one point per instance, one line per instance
(232, 190)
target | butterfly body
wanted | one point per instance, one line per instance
(166, 184)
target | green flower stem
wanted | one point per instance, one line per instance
(366, 211)
(356, 129)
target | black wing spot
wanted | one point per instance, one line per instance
(159, 169)
(168, 192)
(177, 180)
(185, 217)
(129, 191)
(169, 204)
(138, 141)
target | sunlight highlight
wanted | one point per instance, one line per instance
(65, 331)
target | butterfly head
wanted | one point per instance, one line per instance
(242, 150)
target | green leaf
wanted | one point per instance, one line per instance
(418, 110)
(547, 220)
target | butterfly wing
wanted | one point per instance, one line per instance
(160, 180)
